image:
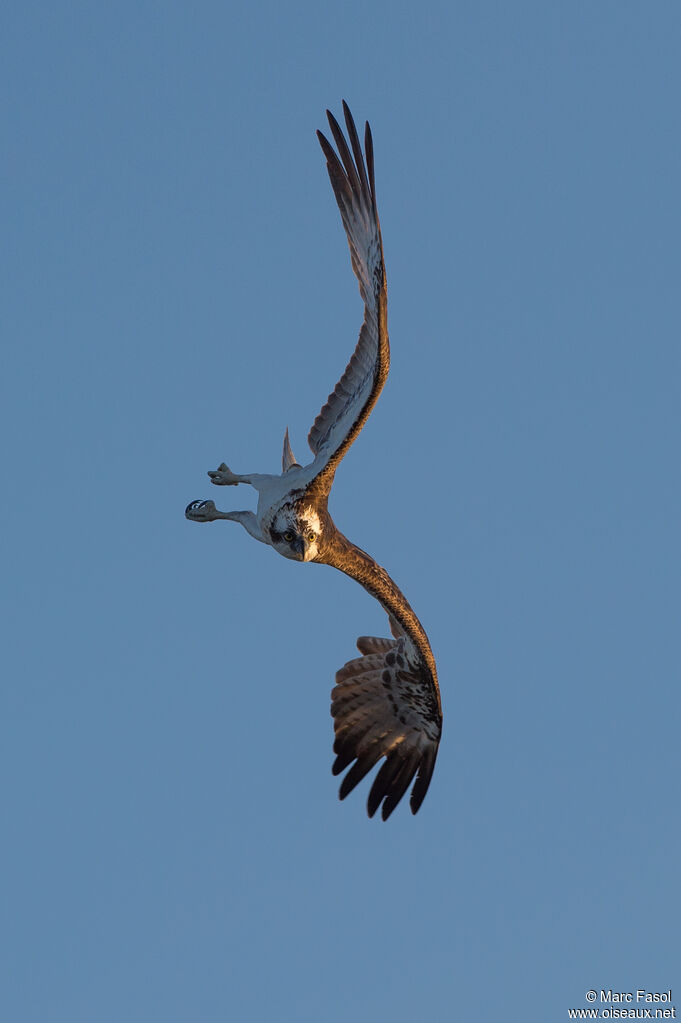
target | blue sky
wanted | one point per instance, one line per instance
(177, 290)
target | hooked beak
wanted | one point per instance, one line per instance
(299, 547)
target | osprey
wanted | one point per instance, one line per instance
(386, 703)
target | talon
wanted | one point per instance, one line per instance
(198, 511)
(222, 476)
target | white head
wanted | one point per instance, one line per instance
(295, 532)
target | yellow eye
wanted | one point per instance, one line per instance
(311, 537)
(288, 536)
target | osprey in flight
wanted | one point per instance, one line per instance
(385, 703)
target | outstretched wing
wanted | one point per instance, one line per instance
(355, 394)
(387, 702)
(385, 706)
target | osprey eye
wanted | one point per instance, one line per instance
(288, 536)
(310, 537)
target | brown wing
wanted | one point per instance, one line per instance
(383, 706)
(349, 404)
(387, 702)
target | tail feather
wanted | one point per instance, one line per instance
(288, 459)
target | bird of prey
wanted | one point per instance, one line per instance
(386, 703)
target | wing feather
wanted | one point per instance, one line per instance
(399, 783)
(359, 770)
(393, 713)
(349, 404)
(371, 645)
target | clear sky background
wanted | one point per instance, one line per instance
(177, 289)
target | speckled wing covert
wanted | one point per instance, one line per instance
(382, 707)
(349, 404)
(387, 704)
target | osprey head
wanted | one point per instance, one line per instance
(295, 532)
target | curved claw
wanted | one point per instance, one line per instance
(223, 476)
(200, 511)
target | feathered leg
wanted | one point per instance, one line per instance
(224, 477)
(205, 511)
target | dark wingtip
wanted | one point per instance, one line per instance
(377, 792)
(342, 761)
(369, 151)
(333, 123)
